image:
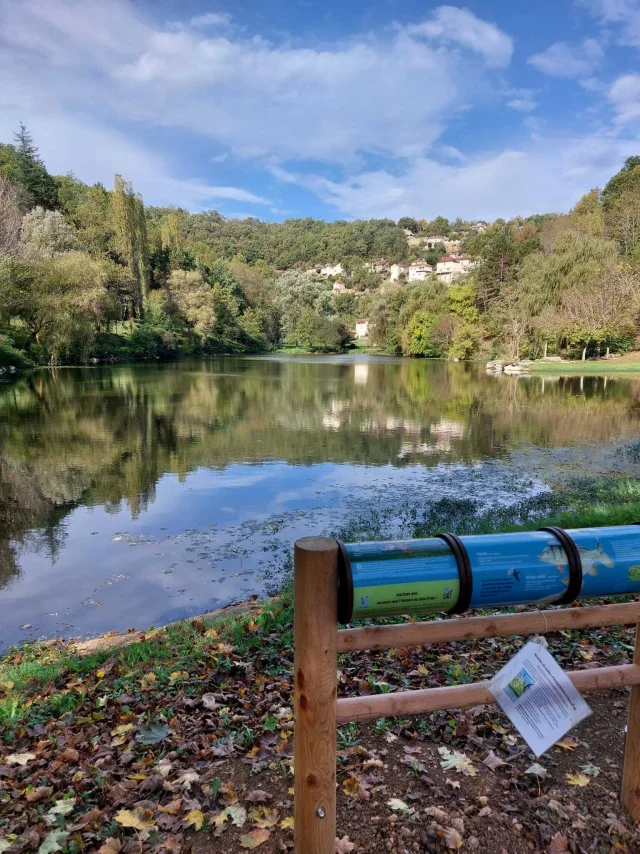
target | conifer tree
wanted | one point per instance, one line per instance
(38, 185)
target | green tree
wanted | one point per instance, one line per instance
(39, 186)
(409, 223)
(416, 337)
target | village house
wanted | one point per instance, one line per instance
(432, 242)
(335, 270)
(398, 270)
(380, 265)
(419, 270)
(479, 227)
(449, 268)
(362, 328)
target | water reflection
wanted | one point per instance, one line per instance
(106, 437)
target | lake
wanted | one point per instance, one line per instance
(133, 495)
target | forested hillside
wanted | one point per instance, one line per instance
(90, 273)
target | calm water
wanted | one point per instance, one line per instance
(134, 495)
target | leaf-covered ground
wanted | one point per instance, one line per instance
(185, 742)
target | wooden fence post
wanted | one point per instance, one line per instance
(630, 794)
(315, 694)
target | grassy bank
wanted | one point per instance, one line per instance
(629, 364)
(142, 745)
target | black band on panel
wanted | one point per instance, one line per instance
(464, 571)
(345, 585)
(575, 564)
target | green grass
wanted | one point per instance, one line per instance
(590, 367)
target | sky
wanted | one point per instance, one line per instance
(337, 109)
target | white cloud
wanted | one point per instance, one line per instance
(211, 19)
(625, 13)
(524, 105)
(257, 98)
(220, 158)
(563, 60)
(548, 177)
(625, 98)
(450, 24)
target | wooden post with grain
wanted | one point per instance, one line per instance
(317, 709)
(630, 794)
(316, 683)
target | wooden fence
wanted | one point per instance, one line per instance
(318, 711)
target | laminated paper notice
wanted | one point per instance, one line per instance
(538, 697)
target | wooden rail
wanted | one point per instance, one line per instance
(497, 626)
(318, 711)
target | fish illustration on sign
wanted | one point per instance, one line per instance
(554, 554)
(590, 557)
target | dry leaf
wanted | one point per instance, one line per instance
(209, 702)
(456, 761)
(537, 771)
(558, 845)
(567, 743)
(351, 786)
(400, 806)
(195, 818)
(578, 779)
(437, 813)
(20, 758)
(110, 846)
(452, 838)
(258, 796)
(254, 838)
(344, 845)
(492, 760)
(139, 818)
(286, 823)
(267, 819)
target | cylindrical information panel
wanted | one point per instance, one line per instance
(450, 573)
(389, 579)
(610, 559)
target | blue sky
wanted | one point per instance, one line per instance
(327, 108)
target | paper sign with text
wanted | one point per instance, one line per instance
(538, 697)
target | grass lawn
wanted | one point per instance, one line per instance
(628, 364)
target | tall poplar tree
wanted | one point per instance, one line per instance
(131, 242)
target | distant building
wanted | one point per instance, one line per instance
(432, 242)
(449, 268)
(335, 270)
(479, 227)
(397, 270)
(362, 328)
(419, 270)
(339, 287)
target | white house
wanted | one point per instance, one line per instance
(336, 270)
(419, 270)
(479, 227)
(362, 328)
(449, 268)
(397, 270)
(432, 242)
(339, 287)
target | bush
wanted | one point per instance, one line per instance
(9, 355)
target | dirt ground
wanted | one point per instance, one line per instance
(503, 810)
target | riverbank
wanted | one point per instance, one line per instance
(628, 364)
(184, 738)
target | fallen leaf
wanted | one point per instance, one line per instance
(437, 813)
(139, 818)
(4, 844)
(344, 845)
(153, 734)
(63, 807)
(567, 743)
(558, 845)
(492, 760)
(38, 794)
(351, 786)
(254, 838)
(120, 730)
(578, 779)
(453, 783)
(238, 815)
(591, 770)
(172, 808)
(400, 806)
(53, 842)
(286, 823)
(452, 838)
(20, 758)
(185, 780)
(209, 702)
(267, 819)
(259, 796)
(537, 771)
(456, 761)
(110, 846)
(195, 818)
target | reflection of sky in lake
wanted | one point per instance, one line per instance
(218, 536)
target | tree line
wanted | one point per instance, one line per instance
(91, 273)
